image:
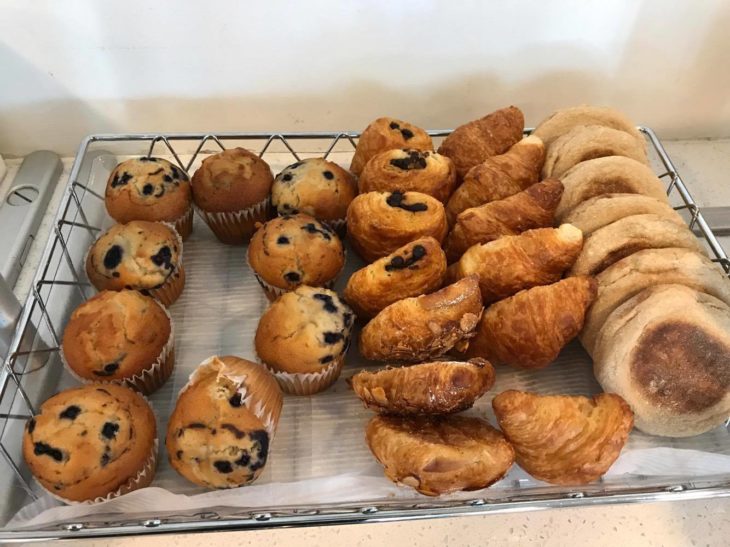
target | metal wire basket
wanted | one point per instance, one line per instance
(32, 370)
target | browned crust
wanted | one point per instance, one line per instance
(385, 134)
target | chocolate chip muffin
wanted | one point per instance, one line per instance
(120, 337)
(405, 169)
(316, 187)
(231, 192)
(295, 250)
(153, 189)
(140, 255)
(92, 443)
(303, 337)
(221, 429)
(385, 134)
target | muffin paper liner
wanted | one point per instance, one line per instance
(307, 383)
(236, 227)
(184, 224)
(150, 379)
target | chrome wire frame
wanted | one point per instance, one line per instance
(11, 379)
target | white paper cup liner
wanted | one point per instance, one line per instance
(308, 383)
(184, 224)
(236, 227)
(148, 380)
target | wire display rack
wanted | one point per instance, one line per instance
(31, 370)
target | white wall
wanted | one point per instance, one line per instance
(69, 68)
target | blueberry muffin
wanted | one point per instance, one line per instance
(316, 187)
(120, 337)
(378, 223)
(231, 192)
(140, 255)
(153, 189)
(295, 250)
(92, 442)
(385, 134)
(221, 429)
(303, 337)
(405, 169)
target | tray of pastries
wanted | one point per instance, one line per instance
(236, 329)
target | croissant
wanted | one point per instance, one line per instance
(437, 455)
(562, 439)
(425, 327)
(441, 387)
(529, 329)
(531, 208)
(472, 143)
(513, 263)
(499, 177)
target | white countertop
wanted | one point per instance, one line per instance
(704, 165)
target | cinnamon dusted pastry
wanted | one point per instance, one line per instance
(647, 268)
(562, 439)
(531, 208)
(441, 387)
(608, 175)
(628, 235)
(385, 134)
(472, 143)
(380, 222)
(499, 177)
(588, 142)
(407, 170)
(529, 329)
(599, 211)
(438, 455)
(666, 351)
(511, 263)
(419, 267)
(562, 121)
(425, 327)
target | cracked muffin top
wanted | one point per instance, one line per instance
(138, 255)
(89, 441)
(304, 331)
(147, 188)
(115, 335)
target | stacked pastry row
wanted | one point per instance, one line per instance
(658, 329)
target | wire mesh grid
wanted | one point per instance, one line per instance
(27, 376)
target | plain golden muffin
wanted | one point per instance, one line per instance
(153, 189)
(220, 432)
(315, 187)
(303, 337)
(295, 250)
(118, 335)
(231, 191)
(139, 255)
(92, 441)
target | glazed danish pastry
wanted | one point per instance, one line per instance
(385, 134)
(380, 222)
(416, 268)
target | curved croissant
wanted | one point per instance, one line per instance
(529, 329)
(441, 387)
(513, 263)
(499, 177)
(561, 439)
(531, 208)
(425, 327)
(472, 143)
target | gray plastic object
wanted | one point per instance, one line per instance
(23, 209)
(9, 312)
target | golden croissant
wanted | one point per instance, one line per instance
(561, 439)
(531, 208)
(441, 387)
(510, 264)
(437, 455)
(499, 177)
(424, 327)
(529, 329)
(472, 143)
